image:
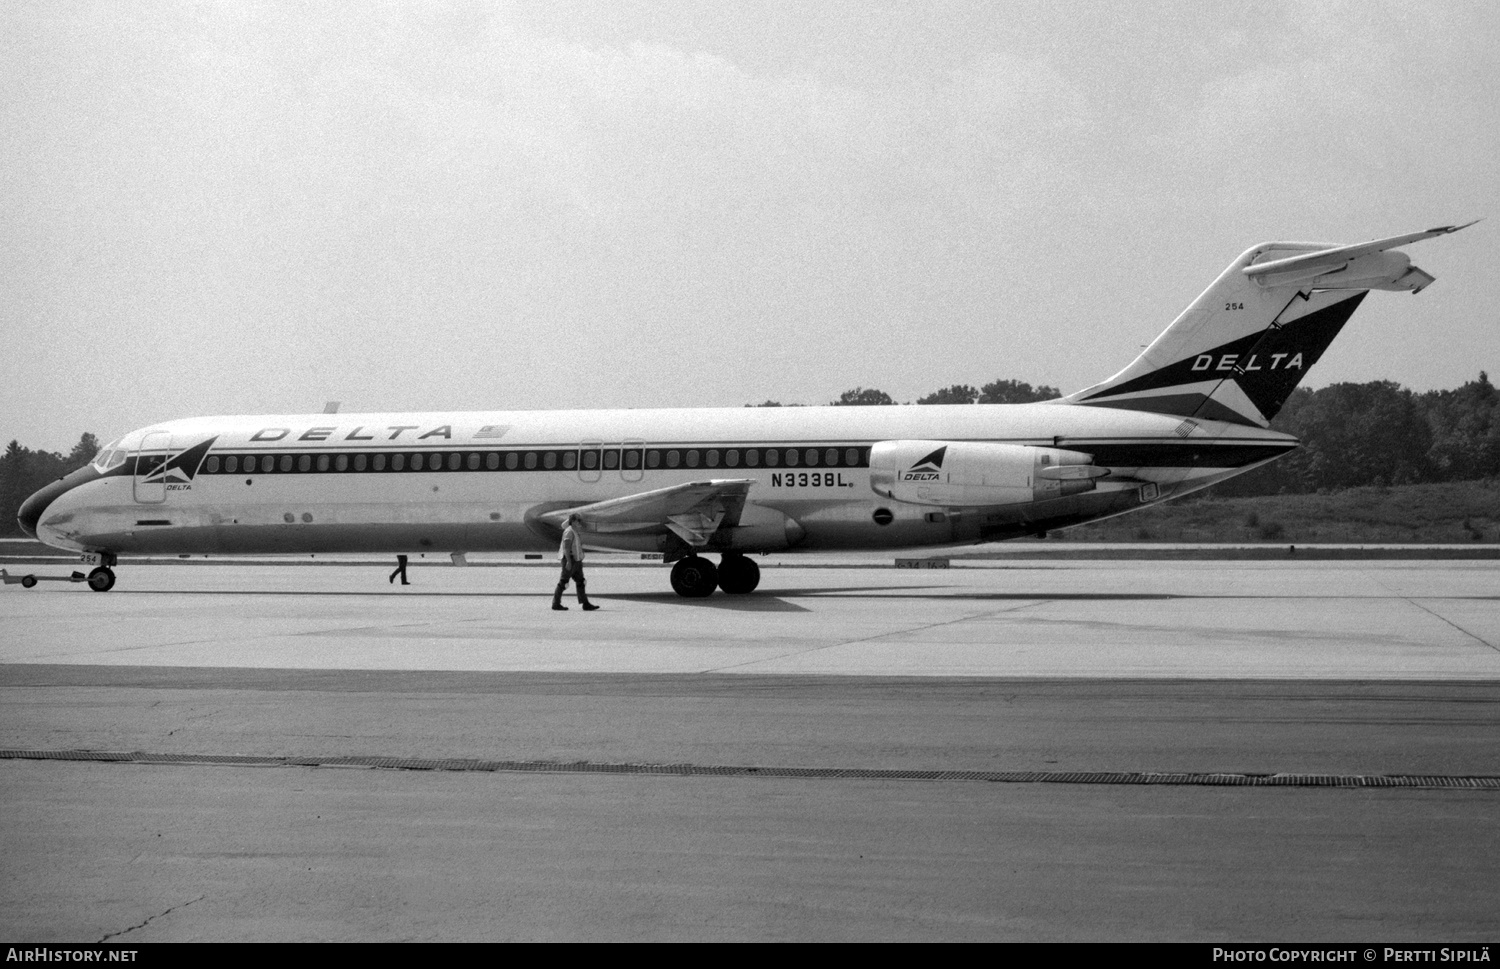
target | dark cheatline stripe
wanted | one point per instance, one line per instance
(1179, 455)
(1169, 778)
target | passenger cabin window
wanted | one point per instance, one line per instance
(304, 463)
(570, 459)
(611, 460)
(711, 458)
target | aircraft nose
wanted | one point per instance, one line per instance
(32, 509)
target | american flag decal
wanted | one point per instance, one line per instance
(1186, 428)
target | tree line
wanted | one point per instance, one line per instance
(23, 471)
(1353, 434)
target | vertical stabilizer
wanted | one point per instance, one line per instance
(1237, 352)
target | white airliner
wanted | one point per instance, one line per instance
(1191, 410)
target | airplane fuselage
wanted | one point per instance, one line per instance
(472, 482)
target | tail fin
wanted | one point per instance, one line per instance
(1240, 349)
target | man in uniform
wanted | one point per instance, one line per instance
(571, 553)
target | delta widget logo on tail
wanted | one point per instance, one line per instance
(928, 469)
(182, 467)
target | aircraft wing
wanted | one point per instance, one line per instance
(692, 511)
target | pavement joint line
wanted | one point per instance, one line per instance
(467, 765)
(851, 642)
(1413, 601)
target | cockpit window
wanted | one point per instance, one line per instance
(110, 456)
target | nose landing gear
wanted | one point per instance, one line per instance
(102, 579)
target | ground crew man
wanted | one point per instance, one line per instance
(571, 553)
(400, 570)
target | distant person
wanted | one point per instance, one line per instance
(400, 570)
(571, 553)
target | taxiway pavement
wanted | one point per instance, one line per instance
(1332, 669)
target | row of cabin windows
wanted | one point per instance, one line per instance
(630, 459)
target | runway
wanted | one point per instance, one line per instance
(785, 766)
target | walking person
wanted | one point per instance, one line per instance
(571, 553)
(400, 570)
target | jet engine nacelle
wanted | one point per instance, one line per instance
(761, 529)
(978, 473)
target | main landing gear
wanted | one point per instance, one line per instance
(696, 577)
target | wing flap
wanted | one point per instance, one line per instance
(693, 511)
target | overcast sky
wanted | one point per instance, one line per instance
(257, 207)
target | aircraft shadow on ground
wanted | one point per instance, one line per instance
(768, 601)
(757, 602)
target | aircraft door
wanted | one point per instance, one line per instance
(632, 460)
(589, 458)
(149, 491)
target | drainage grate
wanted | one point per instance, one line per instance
(1178, 778)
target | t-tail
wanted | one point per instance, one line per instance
(1240, 349)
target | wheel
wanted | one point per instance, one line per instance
(102, 579)
(694, 577)
(28, 581)
(738, 575)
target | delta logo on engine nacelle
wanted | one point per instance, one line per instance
(929, 468)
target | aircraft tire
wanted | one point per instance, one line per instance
(694, 577)
(738, 575)
(102, 579)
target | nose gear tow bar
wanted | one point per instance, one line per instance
(28, 581)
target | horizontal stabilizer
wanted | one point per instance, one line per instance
(1364, 265)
